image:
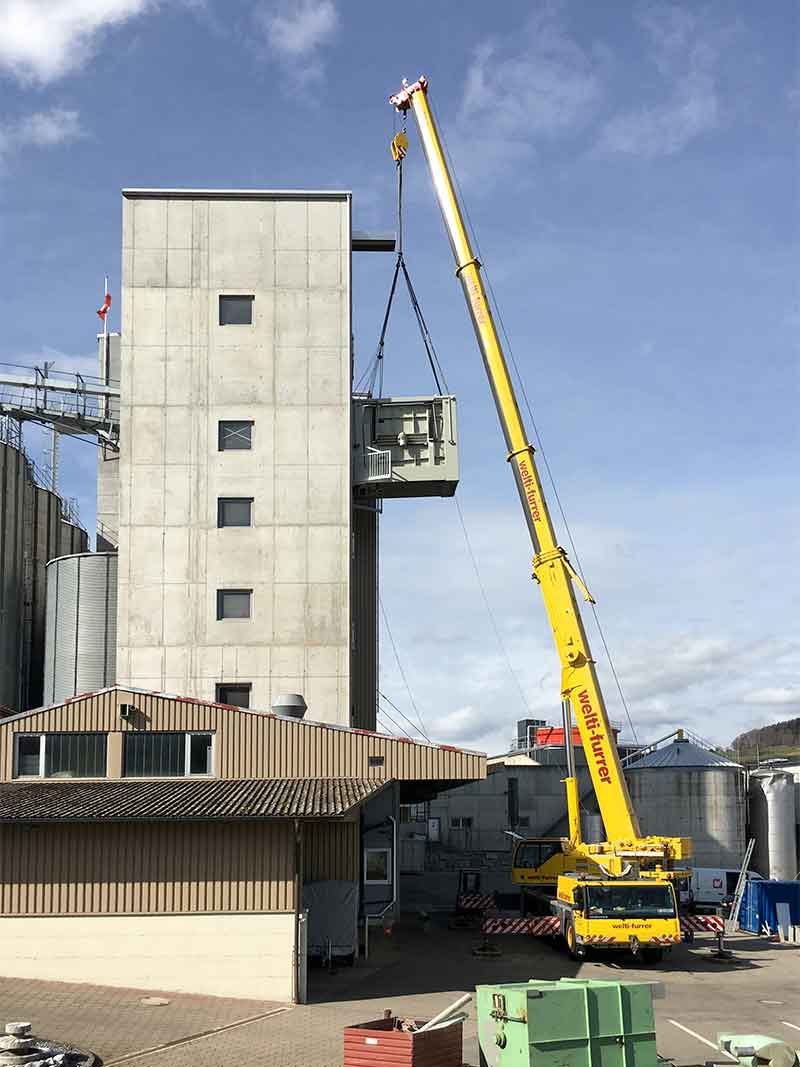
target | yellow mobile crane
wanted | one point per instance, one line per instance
(620, 892)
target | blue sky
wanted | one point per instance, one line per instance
(631, 170)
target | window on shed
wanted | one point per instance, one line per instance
(461, 822)
(234, 603)
(377, 866)
(235, 511)
(78, 755)
(200, 754)
(154, 754)
(237, 694)
(235, 434)
(235, 310)
(29, 756)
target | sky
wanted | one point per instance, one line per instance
(631, 172)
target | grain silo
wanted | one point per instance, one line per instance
(81, 625)
(685, 790)
(14, 477)
(772, 823)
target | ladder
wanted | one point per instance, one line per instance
(732, 921)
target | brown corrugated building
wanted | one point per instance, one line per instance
(160, 842)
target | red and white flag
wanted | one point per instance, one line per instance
(103, 310)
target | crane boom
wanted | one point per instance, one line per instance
(551, 566)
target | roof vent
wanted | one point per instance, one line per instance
(289, 705)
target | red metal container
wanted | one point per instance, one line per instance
(378, 1044)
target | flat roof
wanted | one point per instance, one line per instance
(237, 194)
(190, 799)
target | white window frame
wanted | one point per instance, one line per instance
(17, 739)
(378, 881)
(188, 753)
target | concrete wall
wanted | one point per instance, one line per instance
(288, 372)
(108, 458)
(216, 955)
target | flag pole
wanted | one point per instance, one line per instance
(105, 317)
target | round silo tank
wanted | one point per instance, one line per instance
(14, 476)
(772, 824)
(81, 625)
(684, 790)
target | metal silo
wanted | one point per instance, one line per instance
(772, 824)
(81, 625)
(684, 790)
(13, 480)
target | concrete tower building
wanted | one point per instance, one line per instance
(248, 476)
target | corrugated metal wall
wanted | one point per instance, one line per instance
(146, 868)
(81, 631)
(331, 851)
(13, 479)
(255, 744)
(364, 613)
(49, 537)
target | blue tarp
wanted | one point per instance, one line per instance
(758, 904)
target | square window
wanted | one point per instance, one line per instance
(29, 755)
(235, 310)
(375, 761)
(154, 754)
(377, 866)
(235, 511)
(235, 434)
(237, 694)
(200, 753)
(234, 603)
(75, 755)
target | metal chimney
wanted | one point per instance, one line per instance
(290, 705)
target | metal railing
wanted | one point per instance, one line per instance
(379, 464)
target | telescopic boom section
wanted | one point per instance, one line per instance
(551, 567)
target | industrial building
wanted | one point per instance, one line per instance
(36, 526)
(165, 843)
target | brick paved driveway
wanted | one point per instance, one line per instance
(413, 974)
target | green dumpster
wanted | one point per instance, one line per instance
(568, 1023)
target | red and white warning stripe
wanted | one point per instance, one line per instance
(666, 939)
(715, 924)
(475, 902)
(538, 927)
(598, 939)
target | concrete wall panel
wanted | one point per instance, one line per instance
(212, 955)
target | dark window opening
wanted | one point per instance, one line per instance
(237, 694)
(235, 434)
(200, 754)
(375, 761)
(235, 511)
(235, 310)
(234, 603)
(28, 756)
(154, 754)
(75, 755)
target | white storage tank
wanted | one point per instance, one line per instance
(81, 625)
(685, 790)
(772, 824)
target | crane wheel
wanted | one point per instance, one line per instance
(576, 951)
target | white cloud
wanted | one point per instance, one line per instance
(774, 696)
(537, 83)
(41, 129)
(42, 40)
(686, 49)
(296, 31)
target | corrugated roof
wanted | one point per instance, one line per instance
(682, 753)
(183, 798)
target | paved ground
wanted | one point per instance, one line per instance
(415, 974)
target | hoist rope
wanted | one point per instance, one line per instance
(489, 611)
(373, 373)
(402, 672)
(539, 442)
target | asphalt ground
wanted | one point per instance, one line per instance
(415, 973)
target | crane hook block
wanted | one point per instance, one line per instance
(399, 146)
